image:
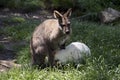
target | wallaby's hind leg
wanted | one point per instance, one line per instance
(38, 60)
(38, 57)
(51, 59)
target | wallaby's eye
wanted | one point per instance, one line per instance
(62, 25)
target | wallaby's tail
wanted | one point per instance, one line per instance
(31, 46)
(32, 51)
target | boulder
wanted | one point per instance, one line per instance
(76, 52)
(109, 15)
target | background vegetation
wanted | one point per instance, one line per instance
(77, 5)
(102, 39)
(104, 63)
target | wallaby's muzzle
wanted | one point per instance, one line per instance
(67, 32)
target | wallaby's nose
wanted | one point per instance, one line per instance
(67, 32)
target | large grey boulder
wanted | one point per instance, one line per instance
(109, 15)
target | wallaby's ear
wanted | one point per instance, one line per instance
(57, 14)
(68, 13)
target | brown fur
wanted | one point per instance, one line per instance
(47, 37)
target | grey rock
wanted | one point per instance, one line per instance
(109, 15)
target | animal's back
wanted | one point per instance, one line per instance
(47, 29)
(47, 34)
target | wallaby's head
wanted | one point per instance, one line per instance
(64, 20)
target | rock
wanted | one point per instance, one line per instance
(36, 17)
(76, 52)
(109, 15)
(6, 65)
(9, 63)
(6, 9)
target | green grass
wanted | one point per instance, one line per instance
(104, 63)
(12, 20)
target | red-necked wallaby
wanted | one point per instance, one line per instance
(47, 38)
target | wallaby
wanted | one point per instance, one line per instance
(47, 38)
